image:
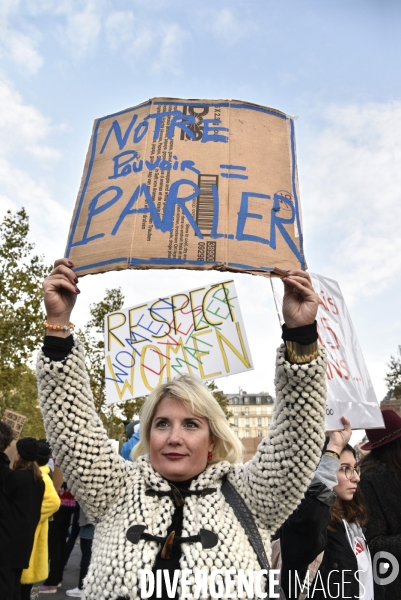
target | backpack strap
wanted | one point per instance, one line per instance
(245, 517)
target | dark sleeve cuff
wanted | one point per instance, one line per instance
(305, 335)
(57, 348)
(322, 493)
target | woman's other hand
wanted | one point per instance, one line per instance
(60, 294)
(300, 301)
(340, 438)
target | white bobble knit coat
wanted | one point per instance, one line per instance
(112, 491)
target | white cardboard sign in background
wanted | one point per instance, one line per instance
(199, 331)
(350, 391)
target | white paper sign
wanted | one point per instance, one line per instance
(350, 391)
(199, 331)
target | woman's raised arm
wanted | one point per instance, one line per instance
(276, 479)
(93, 470)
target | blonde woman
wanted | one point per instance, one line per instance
(166, 515)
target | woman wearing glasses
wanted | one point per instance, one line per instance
(322, 542)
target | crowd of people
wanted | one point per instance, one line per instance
(37, 534)
(179, 515)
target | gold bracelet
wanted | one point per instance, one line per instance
(332, 453)
(58, 327)
(298, 353)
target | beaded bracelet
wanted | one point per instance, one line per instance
(58, 327)
(299, 353)
(332, 453)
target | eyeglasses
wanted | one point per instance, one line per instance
(350, 471)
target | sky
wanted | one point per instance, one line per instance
(334, 64)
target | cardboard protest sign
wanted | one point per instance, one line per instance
(199, 331)
(15, 421)
(195, 184)
(350, 391)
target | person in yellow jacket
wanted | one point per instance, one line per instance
(38, 569)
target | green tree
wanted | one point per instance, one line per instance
(92, 339)
(22, 397)
(393, 376)
(220, 397)
(21, 276)
(21, 319)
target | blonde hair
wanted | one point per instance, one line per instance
(198, 400)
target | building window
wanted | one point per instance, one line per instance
(259, 421)
(235, 400)
(235, 422)
(247, 422)
(236, 433)
(258, 410)
(258, 400)
(247, 410)
(236, 410)
(246, 400)
(247, 434)
(259, 433)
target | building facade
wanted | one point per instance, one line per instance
(251, 414)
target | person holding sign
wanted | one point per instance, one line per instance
(186, 517)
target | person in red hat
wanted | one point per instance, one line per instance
(381, 487)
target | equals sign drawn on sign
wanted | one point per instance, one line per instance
(233, 175)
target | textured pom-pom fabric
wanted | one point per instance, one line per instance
(112, 490)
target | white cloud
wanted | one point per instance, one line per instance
(81, 31)
(85, 28)
(48, 220)
(120, 32)
(171, 49)
(77, 24)
(351, 186)
(24, 130)
(8, 7)
(226, 26)
(22, 127)
(20, 48)
(128, 36)
(134, 38)
(23, 52)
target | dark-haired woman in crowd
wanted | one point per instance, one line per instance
(329, 522)
(381, 487)
(21, 494)
(38, 568)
